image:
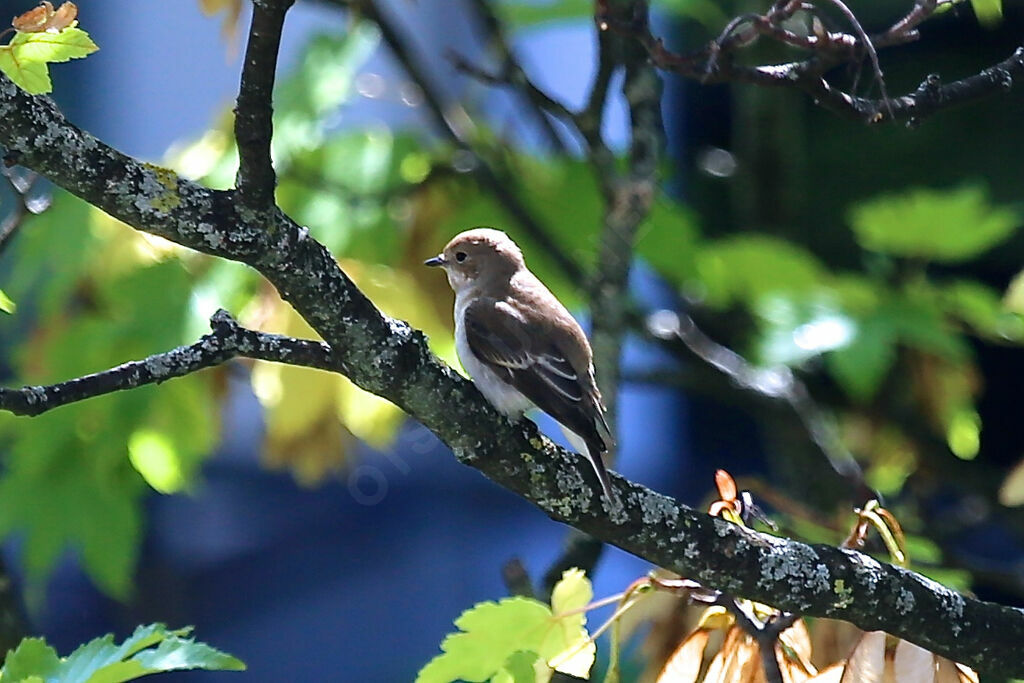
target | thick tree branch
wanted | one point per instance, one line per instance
(385, 356)
(254, 110)
(227, 341)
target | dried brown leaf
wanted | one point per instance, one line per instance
(798, 639)
(946, 672)
(45, 18)
(967, 674)
(833, 674)
(913, 664)
(685, 663)
(726, 485)
(721, 669)
(866, 664)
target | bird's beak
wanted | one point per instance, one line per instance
(436, 261)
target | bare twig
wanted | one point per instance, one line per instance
(714, 63)
(776, 382)
(227, 340)
(254, 109)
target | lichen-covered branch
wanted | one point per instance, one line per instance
(254, 110)
(227, 340)
(387, 357)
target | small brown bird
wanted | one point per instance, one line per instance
(520, 344)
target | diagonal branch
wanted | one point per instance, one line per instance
(715, 63)
(254, 110)
(227, 340)
(387, 357)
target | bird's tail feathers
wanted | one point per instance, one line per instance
(592, 449)
(595, 454)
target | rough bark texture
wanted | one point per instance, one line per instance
(387, 357)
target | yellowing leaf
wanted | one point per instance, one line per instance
(153, 455)
(7, 304)
(567, 647)
(1011, 492)
(369, 417)
(232, 10)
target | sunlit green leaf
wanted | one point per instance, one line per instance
(151, 649)
(491, 633)
(32, 657)
(25, 58)
(7, 304)
(949, 225)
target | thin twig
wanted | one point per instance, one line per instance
(227, 340)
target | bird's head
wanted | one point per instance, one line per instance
(478, 255)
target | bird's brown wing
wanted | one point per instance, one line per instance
(536, 367)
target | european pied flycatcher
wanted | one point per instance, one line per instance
(520, 344)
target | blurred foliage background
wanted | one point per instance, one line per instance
(880, 264)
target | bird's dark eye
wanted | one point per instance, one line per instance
(460, 256)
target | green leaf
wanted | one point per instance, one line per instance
(668, 240)
(911, 318)
(567, 647)
(989, 12)
(32, 77)
(795, 328)
(7, 305)
(491, 633)
(47, 46)
(32, 657)
(523, 667)
(949, 226)
(746, 267)
(102, 661)
(525, 14)
(860, 366)
(981, 307)
(68, 481)
(25, 58)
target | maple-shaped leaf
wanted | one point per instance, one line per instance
(25, 58)
(501, 638)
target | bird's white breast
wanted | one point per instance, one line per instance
(502, 395)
